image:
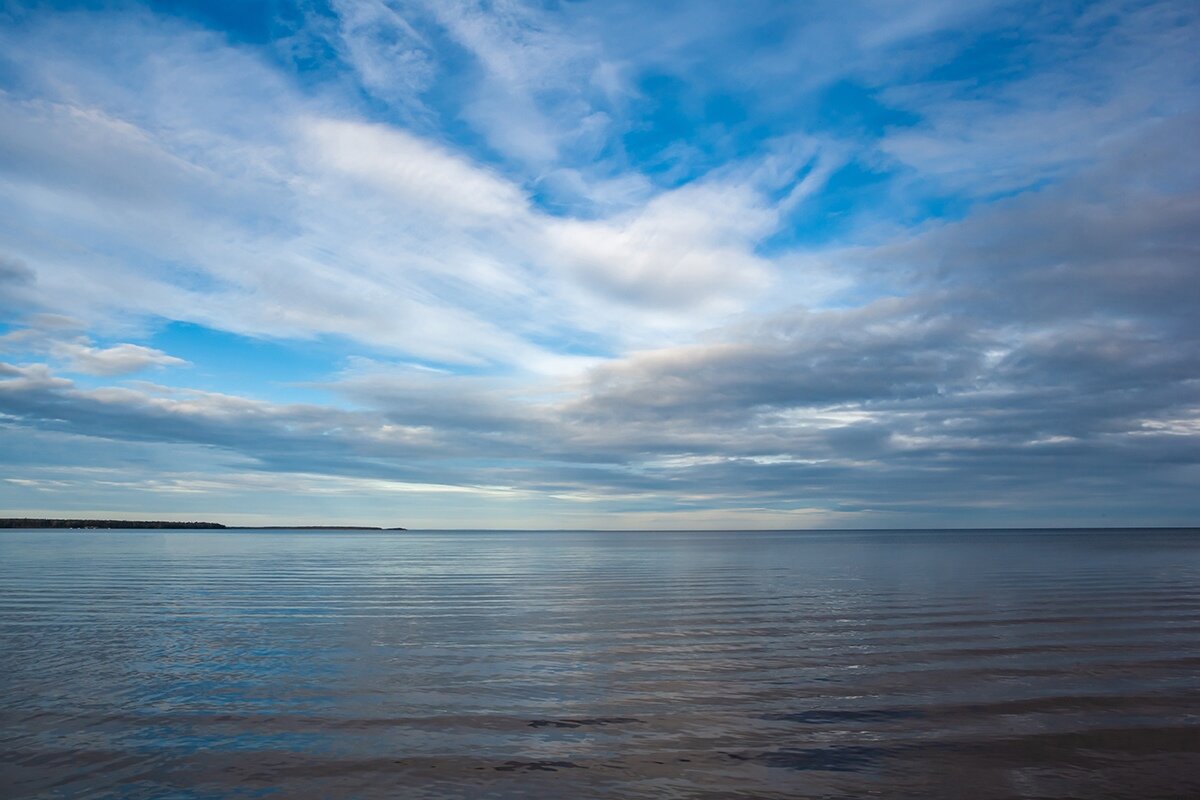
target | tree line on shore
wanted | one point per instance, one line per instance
(30, 522)
(25, 522)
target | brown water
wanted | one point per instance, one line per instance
(152, 664)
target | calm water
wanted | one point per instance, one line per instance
(148, 664)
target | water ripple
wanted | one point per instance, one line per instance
(768, 665)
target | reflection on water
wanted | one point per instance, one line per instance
(151, 664)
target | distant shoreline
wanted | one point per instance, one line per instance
(124, 524)
(119, 524)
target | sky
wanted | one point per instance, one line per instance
(601, 264)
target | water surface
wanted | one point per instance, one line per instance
(226, 664)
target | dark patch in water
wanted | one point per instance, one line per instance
(837, 759)
(579, 723)
(833, 716)
(537, 766)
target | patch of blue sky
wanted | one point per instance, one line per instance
(13, 78)
(283, 371)
(851, 109)
(571, 342)
(853, 192)
(992, 58)
(239, 21)
(681, 133)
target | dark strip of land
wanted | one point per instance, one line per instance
(101, 523)
(22, 522)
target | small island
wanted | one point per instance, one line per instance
(117, 524)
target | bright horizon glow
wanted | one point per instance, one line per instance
(601, 265)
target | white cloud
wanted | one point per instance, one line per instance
(392, 59)
(120, 359)
(687, 249)
(426, 179)
(532, 101)
(297, 223)
(77, 353)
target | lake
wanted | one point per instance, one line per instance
(227, 664)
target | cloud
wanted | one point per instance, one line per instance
(534, 98)
(16, 272)
(45, 336)
(298, 223)
(425, 178)
(845, 261)
(687, 248)
(878, 411)
(390, 56)
(17, 280)
(1109, 73)
(120, 359)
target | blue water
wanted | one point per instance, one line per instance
(226, 664)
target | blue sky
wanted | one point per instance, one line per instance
(601, 264)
